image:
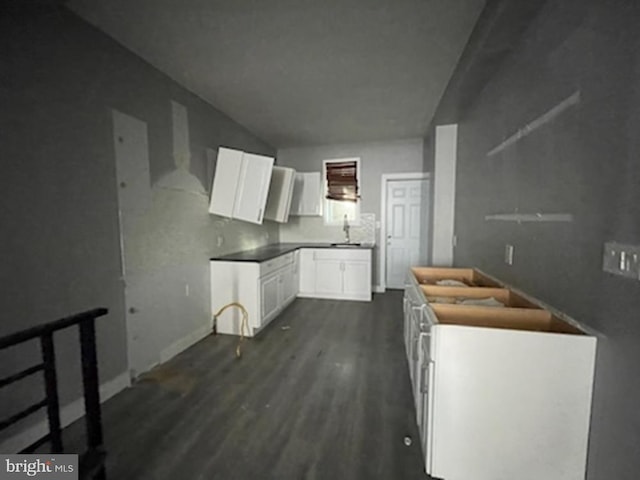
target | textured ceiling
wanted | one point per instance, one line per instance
(301, 72)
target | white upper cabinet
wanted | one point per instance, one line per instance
(280, 194)
(240, 185)
(307, 194)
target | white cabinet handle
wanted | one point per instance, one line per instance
(259, 214)
(415, 348)
(423, 374)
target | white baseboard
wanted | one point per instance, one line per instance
(68, 414)
(184, 343)
(379, 289)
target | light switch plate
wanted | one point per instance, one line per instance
(622, 259)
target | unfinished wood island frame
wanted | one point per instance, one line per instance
(501, 392)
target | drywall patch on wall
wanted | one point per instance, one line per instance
(180, 130)
(181, 178)
(131, 147)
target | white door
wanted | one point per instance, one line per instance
(356, 279)
(253, 188)
(404, 216)
(328, 277)
(134, 198)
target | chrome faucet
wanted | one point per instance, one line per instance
(345, 228)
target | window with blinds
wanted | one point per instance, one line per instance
(341, 191)
(342, 180)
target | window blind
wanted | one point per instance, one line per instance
(342, 181)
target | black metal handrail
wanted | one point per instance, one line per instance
(92, 461)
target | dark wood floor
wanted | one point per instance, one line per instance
(327, 398)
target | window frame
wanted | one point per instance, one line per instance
(329, 206)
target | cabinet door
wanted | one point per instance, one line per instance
(424, 403)
(280, 193)
(407, 320)
(296, 197)
(329, 277)
(357, 279)
(253, 187)
(306, 194)
(269, 297)
(311, 199)
(296, 273)
(307, 272)
(288, 279)
(225, 182)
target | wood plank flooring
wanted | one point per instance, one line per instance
(326, 399)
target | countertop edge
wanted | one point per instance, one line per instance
(267, 252)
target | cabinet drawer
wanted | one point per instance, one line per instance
(341, 254)
(275, 263)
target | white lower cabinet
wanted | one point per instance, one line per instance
(335, 273)
(500, 393)
(264, 289)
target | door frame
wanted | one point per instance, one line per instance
(386, 177)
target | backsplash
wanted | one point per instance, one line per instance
(313, 229)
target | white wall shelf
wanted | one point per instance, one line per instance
(530, 217)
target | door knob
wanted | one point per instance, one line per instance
(133, 310)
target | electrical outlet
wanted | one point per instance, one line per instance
(186, 289)
(622, 259)
(220, 240)
(508, 254)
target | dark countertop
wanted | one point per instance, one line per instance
(267, 252)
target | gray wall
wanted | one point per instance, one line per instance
(400, 156)
(585, 162)
(59, 80)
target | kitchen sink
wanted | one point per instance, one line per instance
(345, 245)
